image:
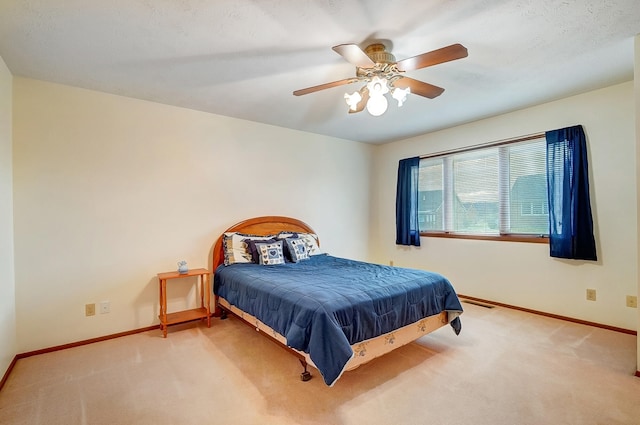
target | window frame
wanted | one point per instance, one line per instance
(505, 237)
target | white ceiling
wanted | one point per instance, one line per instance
(244, 58)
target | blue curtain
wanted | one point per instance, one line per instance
(407, 232)
(570, 222)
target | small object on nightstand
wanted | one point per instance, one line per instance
(182, 267)
(202, 312)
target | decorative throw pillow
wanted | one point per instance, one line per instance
(235, 249)
(311, 240)
(270, 253)
(297, 249)
(283, 236)
(253, 251)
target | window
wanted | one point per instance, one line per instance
(534, 208)
(498, 190)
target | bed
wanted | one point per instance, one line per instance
(333, 313)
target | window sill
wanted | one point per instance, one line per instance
(502, 238)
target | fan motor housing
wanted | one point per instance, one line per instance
(378, 53)
(384, 63)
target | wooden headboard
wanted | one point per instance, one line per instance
(266, 225)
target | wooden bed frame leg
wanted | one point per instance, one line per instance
(305, 375)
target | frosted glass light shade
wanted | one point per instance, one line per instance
(400, 95)
(377, 86)
(377, 105)
(352, 100)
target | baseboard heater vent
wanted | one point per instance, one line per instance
(478, 304)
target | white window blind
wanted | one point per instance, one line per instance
(494, 190)
(529, 205)
(475, 183)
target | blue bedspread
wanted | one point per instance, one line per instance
(325, 304)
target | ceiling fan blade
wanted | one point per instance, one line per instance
(354, 54)
(324, 86)
(445, 54)
(361, 105)
(419, 87)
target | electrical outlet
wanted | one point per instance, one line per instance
(591, 294)
(105, 307)
(90, 310)
(632, 301)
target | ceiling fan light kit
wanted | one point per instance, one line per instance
(381, 74)
(377, 103)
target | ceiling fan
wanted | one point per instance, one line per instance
(382, 74)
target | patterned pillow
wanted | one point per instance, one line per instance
(310, 238)
(253, 251)
(284, 236)
(297, 249)
(235, 249)
(270, 253)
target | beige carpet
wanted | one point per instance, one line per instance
(506, 367)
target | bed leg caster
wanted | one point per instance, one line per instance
(305, 375)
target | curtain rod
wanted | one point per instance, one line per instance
(486, 145)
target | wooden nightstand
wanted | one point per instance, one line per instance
(203, 312)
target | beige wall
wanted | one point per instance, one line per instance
(109, 191)
(523, 274)
(637, 116)
(7, 281)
